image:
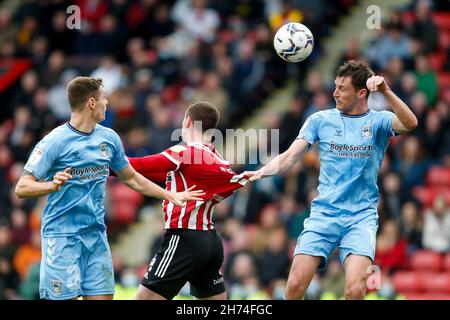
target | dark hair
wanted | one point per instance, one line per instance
(204, 112)
(359, 72)
(80, 89)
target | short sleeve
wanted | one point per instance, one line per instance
(385, 122)
(119, 160)
(308, 132)
(176, 154)
(42, 158)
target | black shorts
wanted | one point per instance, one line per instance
(187, 255)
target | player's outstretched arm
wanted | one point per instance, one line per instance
(137, 182)
(404, 120)
(281, 163)
(28, 186)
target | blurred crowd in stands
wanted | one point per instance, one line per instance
(155, 57)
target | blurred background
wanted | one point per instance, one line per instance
(155, 57)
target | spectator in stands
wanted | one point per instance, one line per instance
(433, 134)
(57, 96)
(274, 263)
(391, 252)
(426, 79)
(112, 72)
(333, 280)
(411, 164)
(287, 13)
(28, 254)
(392, 197)
(212, 91)
(424, 28)
(436, 226)
(408, 85)
(292, 121)
(199, 21)
(20, 230)
(411, 225)
(394, 43)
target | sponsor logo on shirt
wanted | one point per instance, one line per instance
(351, 150)
(90, 173)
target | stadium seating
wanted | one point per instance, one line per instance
(442, 20)
(427, 194)
(447, 262)
(425, 260)
(433, 282)
(125, 203)
(444, 38)
(407, 281)
(438, 176)
(443, 80)
(426, 296)
(418, 282)
(437, 60)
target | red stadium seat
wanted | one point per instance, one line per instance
(443, 80)
(436, 60)
(438, 176)
(406, 281)
(120, 193)
(124, 213)
(408, 18)
(425, 260)
(447, 262)
(444, 39)
(436, 282)
(426, 195)
(426, 296)
(442, 20)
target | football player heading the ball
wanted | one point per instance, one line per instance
(351, 142)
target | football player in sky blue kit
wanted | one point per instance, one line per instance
(351, 140)
(71, 165)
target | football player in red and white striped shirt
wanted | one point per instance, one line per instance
(191, 250)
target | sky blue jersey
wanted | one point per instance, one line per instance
(78, 205)
(351, 149)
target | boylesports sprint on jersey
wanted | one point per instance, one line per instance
(351, 149)
(78, 206)
(344, 214)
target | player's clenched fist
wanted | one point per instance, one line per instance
(60, 178)
(376, 83)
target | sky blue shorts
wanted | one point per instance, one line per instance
(76, 266)
(354, 234)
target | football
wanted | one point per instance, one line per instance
(293, 42)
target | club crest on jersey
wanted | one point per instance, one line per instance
(57, 287)
(366, 131)
(104, 150)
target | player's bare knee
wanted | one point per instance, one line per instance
(295, 289)
(355, 291)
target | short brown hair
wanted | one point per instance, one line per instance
(359, 72)
(80, 89)
(204, 112)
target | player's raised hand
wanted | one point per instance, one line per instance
(253, 175)
(60, 178)
(376, 83)
(180, 198)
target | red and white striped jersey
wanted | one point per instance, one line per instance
(187, 165)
